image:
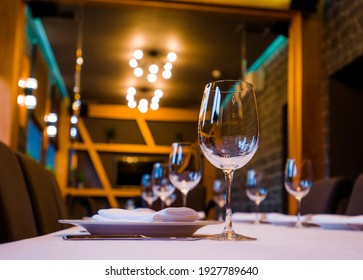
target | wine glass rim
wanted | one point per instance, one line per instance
(231, 81)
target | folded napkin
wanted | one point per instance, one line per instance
(245, 217)
(278, 218)
(337, 219)
(171, 214)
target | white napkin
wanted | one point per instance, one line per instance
(337, 219)
(245, 217)
(171, 214)
(278, 218)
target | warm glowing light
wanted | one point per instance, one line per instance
(138, 54)
(168, 66)
(132, 104)
(51, 118)
(143, 106)
(29, 83)
(74, 119)
(158, 93)
(133, 63)
(79, 60)
(76, 105)
(130, 97)
(52, 131)
(30, 101)
(171, 56)
(154, 106)
(166, 75)
(153, 68)
(138, 72)
(155, 99)
(152, 78)
(131, 91)
(21, 99)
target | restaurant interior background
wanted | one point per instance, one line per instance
(304, 58)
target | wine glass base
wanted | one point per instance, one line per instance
(232, 236)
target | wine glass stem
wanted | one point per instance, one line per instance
(184, 195)
(228, 229)
(298, 223)
(257, 220)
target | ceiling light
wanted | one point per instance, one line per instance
(171, 56)
(158, 93)
(154, 106)
(74, 119)
(138, 54)
(166, 74)
(51, 130)
(29, 83)
(152, 78)
(30, 101)
(133, 63)
(132, 104)
(138, 72)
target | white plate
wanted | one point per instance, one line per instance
(152, 229)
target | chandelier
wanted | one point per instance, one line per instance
(154, 66)
(151, 64)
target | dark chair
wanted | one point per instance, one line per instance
(44, 194)
(355, 204)
(16, 215)
(327, 196)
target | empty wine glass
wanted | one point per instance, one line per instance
(147, 192)
(185, 167)
(219, 196)
(170, 199)
(160, 181)
(256, 189)
(228, 130)
(298, 181)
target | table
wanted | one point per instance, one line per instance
(273, 243)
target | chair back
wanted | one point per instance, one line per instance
(16, 216)
(44, 196)
(326, 195)
(355, 204)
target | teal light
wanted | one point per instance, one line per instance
(270, 50)
(36, 32)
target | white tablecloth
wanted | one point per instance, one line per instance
(273, 243)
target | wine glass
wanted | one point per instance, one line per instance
(256, 189)
(228, 130)
(170, 199)
(298, 181)
(160, 181)
(219, 196)
(147, 192)
(185, 167)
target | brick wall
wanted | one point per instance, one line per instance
(343, 44)
(269, 157)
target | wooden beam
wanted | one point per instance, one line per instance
(123, 148)
(125, 113)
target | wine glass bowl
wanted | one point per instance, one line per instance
(256, 189)
(228, 132)
(160, 182)
(147, 192)
(185, 167)
(298, 181)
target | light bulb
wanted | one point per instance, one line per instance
(74, 119)
(168, 66)
(51, 118)
(158, 93)
(138, 54)
(154, 106)
(51, 131)
(171, 56)
(133, 63)
(151, 78)
(73, 132)
(166, 75)
(132, 104)
(153, 68)
(138, 72)
(30, 101)
(131, 91)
